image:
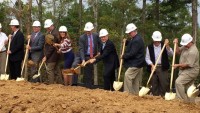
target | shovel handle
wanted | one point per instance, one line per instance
(121, 60)
(25, 56)
(9, 41)
(41, 65)
(173, 61)
(155, 64)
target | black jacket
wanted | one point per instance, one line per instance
(134, 54)
(17, 47)
(109, 57)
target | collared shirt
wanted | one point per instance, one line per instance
(190, 56)
(103, 45)
(3, 38)
(88, 51)
(157, 50)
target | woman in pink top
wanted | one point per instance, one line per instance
(65, 47)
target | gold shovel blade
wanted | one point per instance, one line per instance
(170, 96)
(2, 77)
(143, 91)
(190, 91)
(20, 79)
(117, 85)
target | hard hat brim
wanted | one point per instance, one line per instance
(185, 43)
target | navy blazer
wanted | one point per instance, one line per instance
(17, 47)
(83, 44)
(109, 56)
(37, 45)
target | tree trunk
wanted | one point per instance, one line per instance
(40, 11)
(194, 20)
(20, 15)
(143, 18)
(157, 12)
(80, 15)
(95, 10)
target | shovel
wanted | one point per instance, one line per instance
(193, 91)
(170, 95)
(72, 71)
(37, 75)
(117, 84)
(25, 58)
(6, 76)
(144, 90)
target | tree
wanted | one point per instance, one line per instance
(194, 20)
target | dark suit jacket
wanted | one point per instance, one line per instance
(36, 52)
(17, 47)
(50, 51)
(109, 57)
(83, 44)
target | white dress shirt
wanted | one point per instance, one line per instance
(157, 50)
(3, 38)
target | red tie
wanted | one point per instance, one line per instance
(91, 49)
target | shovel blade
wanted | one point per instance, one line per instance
(143, 91)
(4, 77)
(117, 85)
(35, 76)
(20, 79)
(170, 96)
(191, 91)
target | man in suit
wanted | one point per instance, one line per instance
(16, 50)
(35, 48)
(51, 55)
(88, 48)
(110, 59)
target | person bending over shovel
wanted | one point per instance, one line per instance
(188, 66)
(160, 78)
(134, 60)
(110, 59)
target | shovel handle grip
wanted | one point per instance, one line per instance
(173, 61)
(121, 60)
(9, 41)
(25, 56)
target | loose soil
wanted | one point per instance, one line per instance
(25, 97)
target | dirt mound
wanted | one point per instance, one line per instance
(19, 97)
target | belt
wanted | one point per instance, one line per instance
(2, 51)
(159, 65)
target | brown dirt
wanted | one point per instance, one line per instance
(25, 97)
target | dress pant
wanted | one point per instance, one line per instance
(88, 77)
(2, 62)
(160, 82)
(109, 78)
(132, 80)
(15, 69)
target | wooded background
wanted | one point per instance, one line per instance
(172, 17)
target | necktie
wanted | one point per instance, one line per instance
(34, 35)
(91, 49)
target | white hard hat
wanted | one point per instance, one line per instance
(14, 22)
(103, 32)
(185, 39)
(48, 23)
(130, 27)
(36, 23)
(0, 26)
(157, 36)
(88, 26)
(63, 29)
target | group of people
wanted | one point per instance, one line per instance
(94, 47)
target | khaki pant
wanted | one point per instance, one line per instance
(182, 83)
(132, 80)
(54, 73)
(2, 62)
